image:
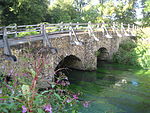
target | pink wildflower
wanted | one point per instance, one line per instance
(63, 83)
(48, 108)
(3, 67)
(75, 97)
(10, 72)
(24, 74)
(16, 74)
(86, 104)
(68, 100)
(24, 109)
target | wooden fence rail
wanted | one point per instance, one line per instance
(63, 27)
(108, 30)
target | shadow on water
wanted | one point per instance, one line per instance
(112, 88)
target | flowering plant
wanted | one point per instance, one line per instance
(20, 88)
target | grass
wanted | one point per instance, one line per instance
(23, 34)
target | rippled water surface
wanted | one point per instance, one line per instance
(113, 88)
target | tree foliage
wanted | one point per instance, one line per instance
(36, 11)
(146, 19)
(125, 12)
(62, 11)
(23, 11)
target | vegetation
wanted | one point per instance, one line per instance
(35, 11)
(20, 89)
(22, 11)
(146, 11)
(135, 52)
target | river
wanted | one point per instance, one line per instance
(112, 88)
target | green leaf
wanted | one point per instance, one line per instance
(40, 110)
(5, 111)
(33, 73)
(45, 92)
(53, 85)
(57, 96)
(4, 97)
(25, 89)
(74, 111)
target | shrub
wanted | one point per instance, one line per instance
(136, 53)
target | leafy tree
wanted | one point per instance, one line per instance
(23, 11)
(35, 9)
(79, 4)
(146, 19)
(125, 12)
(106, 10)
(109, 10)
(7, 14)
(62, 11)
(90, 14)
(97, 13)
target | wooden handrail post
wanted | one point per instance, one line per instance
(72, 34)
(98, 26)
(61, 26)
(15, 30)
(43, 32)
(7, 50)
(89, 26)
(133, 28)
(46, 41)
(70, 31)
(77, 26)
(122, 27)
(42, 28)
(91, 32)
(114, 27)
(128, 28)
(89, 23)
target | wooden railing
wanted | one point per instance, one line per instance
(45, 29)
(65, 27)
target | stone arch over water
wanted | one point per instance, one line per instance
(70, 61)
(102, 54)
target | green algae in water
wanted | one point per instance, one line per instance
(113, 89)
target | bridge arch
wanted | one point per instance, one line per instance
(102, 54)
(69, 61)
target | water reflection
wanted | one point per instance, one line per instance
(76, 75)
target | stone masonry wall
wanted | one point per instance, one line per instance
(85, 52)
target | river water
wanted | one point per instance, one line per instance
(113, 88)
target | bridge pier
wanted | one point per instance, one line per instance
(90, 59)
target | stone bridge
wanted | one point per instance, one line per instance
(75, 46)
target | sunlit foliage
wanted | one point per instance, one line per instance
(55, 11)
(22, 11)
